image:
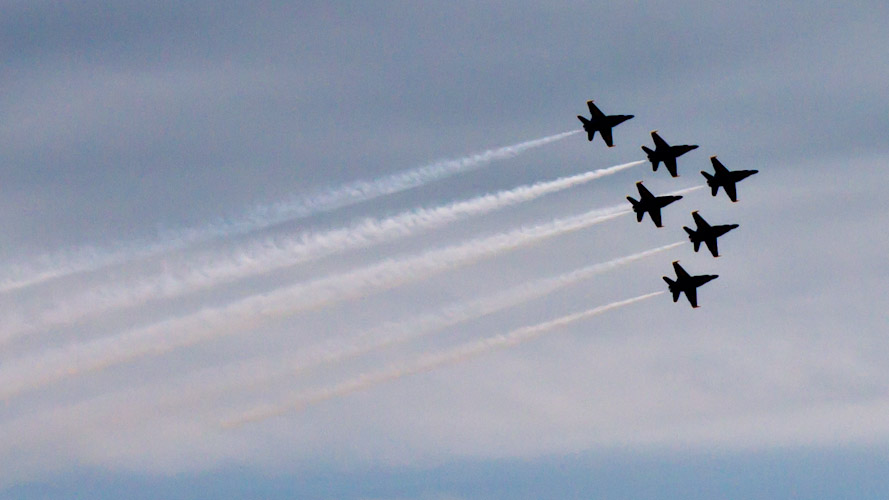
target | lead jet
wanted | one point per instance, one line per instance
(666, 153)
(602, 123)
(725, 178)
(706, 233)
(651, 204)
(687, 283)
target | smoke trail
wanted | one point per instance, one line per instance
(426, 363)
(32, 372)
(54, 266)
(393, 333)
(269, 255)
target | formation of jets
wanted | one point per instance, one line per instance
(652, 205)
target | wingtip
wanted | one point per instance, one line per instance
(712, 157)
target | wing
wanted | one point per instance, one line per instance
(658, 142)
(606, 135)
(670, 163)
(655, 214)
(692, 295)
(711, 245)
(699, 221)
(718, 167)
(731, 191)
(681, 274)
(595, 111)
(643, 192)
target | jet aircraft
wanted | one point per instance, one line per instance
(687, 283)
(602, 123)
(651, 204)
(725, 178)
(666, 153)
(706, 233)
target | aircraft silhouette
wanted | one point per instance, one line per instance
(666, 153)
(706, 233)
(651, 204)
(687, 283)
(725, 178)
(602, 123)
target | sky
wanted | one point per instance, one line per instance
(363, 250)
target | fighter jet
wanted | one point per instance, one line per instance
(725, 178)
(706, 233)
(601, 123)
(687, 283)
(651, 204)
(666, 153)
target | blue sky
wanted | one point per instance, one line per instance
(159, 278)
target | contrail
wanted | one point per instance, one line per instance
(396, 332)
(17, 376)
(426, 363)
(32, 372)
(54, 266)
(271, 254)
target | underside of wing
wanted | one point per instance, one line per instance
(731, 191)
(699, 221)
(692, 295)
(594, 111)
(655, 214)
(606, 135)
(670, 163)
(711, 245)
(658, 142)
(680, 272)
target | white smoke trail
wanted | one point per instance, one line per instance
(86, 259)
(268, 255)
(426, 363)
(392, 333)
(33, 372)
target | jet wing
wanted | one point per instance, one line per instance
(711, 245)
(731, 191)
(681, 274)
(595, 111)
(718, 166)
(658, 142)
(670, 163)
(606, 135)
(699, 221)
(655, 214)
(692, 294)
(643, 191)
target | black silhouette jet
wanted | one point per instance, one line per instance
(687, 283)
(706, 233)
(651, 204)
(725, 178)
(601, 123)
(666, 153)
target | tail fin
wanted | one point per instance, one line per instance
(693, 236)
(639, 213)
(672, 286)
(650, 154)
(711, 181)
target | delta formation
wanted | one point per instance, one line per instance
(648, 203)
